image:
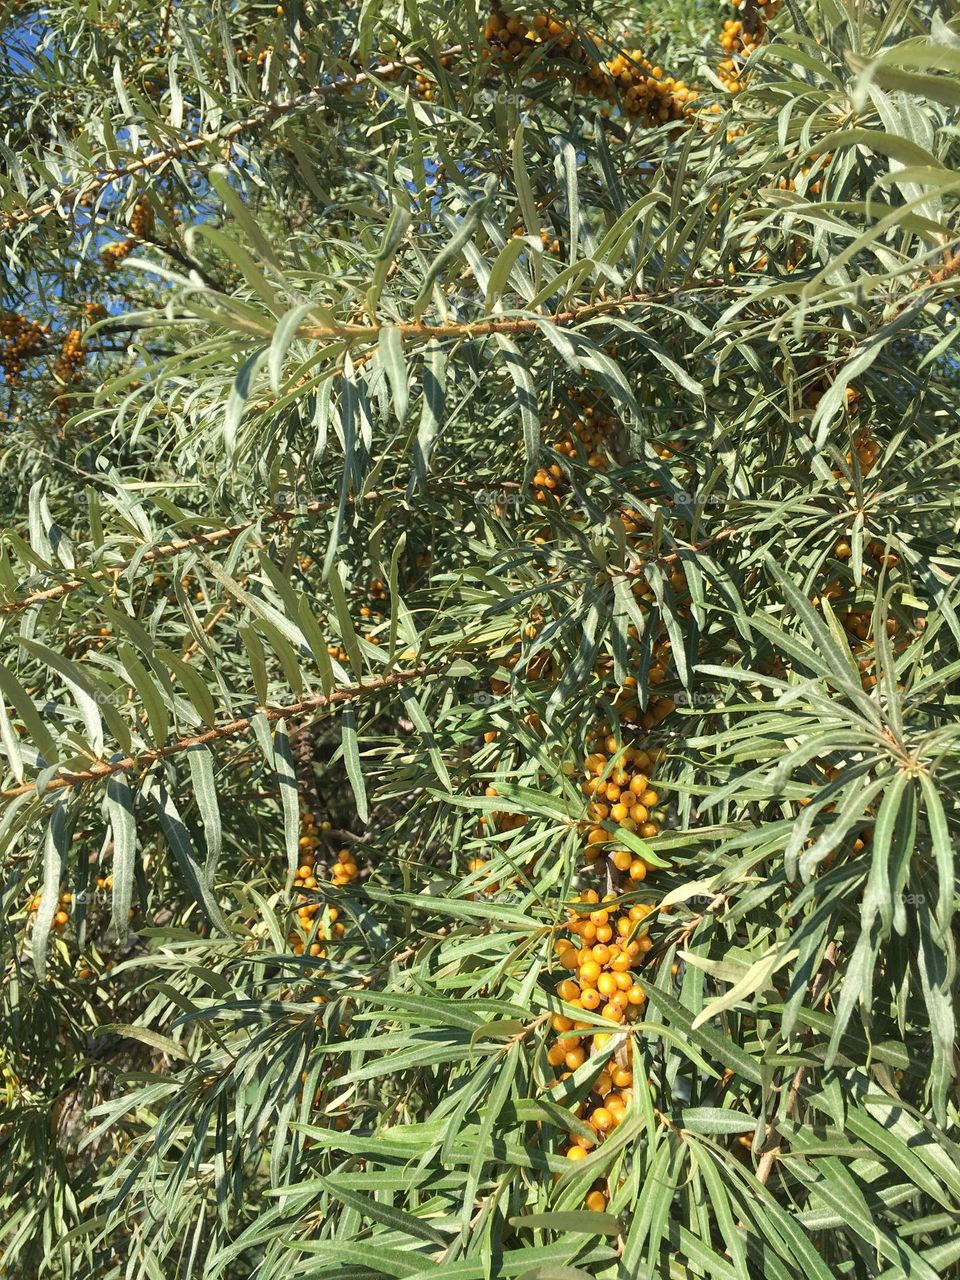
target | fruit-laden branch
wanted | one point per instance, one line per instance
(129, 764)
(186, 146)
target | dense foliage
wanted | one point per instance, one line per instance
(478, 640)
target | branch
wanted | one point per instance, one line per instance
(204, 539)
(186, 146)
(506, 325)
(316, 702)
(312, 508)
(157, 553)
(772, 1147)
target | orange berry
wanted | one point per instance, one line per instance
(617, 1107)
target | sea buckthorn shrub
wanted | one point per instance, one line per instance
(479, 640)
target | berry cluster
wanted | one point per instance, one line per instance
(648, 94)
(619, 792)
(142, 219)
(376, 595)
(344, 869)
(112, 255)
(65, 904)
(61, 917)
(739, 41)
(499, 821)
(80, 643)
(72, 357)
(163, 585)
(548, 480)
(247, 56)
(424, 86)
(591, 430)
(584, 438)
(857, 622)
(603, 946)
(642, 90)
(141, 224)
(19, 339)
(812, 188)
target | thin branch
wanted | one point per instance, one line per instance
(214, 536)
(186, 146)
(130, 764)
(501, 324)
(157, 553)
(773, 1145)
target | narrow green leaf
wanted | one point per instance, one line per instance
(200, 759)
(391, 357)
(118, 801)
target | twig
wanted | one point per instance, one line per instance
(773, 1144)
(316, 702)
(157, 553)
(186, 146)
